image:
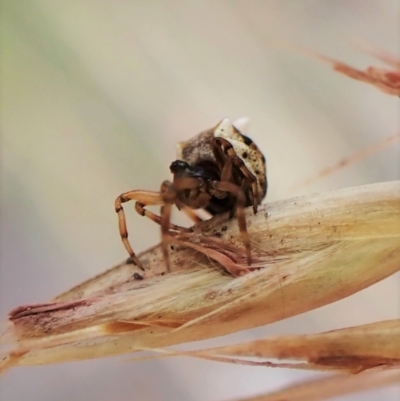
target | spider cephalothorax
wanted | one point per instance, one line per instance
(219, 170)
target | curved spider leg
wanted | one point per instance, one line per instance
(227, 176)
(240, 205)
(218, 151)
(140, 208)
(169, 196)
(226, 173)
(143, 198)
(249, 178)
(223, 148)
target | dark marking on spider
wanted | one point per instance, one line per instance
(209, 174)
(247, 140)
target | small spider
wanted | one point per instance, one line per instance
(219, 170)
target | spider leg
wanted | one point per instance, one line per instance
(140, 208)
(169, 192)
(223, 150)
(249, 177)
(143, 198)
(240, 205)
(226, 173)
(188, 211)
(218, 150)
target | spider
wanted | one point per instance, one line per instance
(219, 170)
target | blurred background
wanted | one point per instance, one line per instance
(95, 95)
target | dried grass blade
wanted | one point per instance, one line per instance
(334, 386)
(353, 349)
(316, 249)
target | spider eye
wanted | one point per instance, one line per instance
(178, 165)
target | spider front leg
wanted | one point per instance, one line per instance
(240, 207)
(142, 198)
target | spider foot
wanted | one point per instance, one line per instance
(133, 260)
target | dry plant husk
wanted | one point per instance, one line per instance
(349, 350)
(314, 250)
(330, 387)
(387, 81)
(383, 79)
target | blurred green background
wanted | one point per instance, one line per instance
(95, 95)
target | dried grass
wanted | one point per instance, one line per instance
(349, 350)
(316, 249)
(330, 387)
